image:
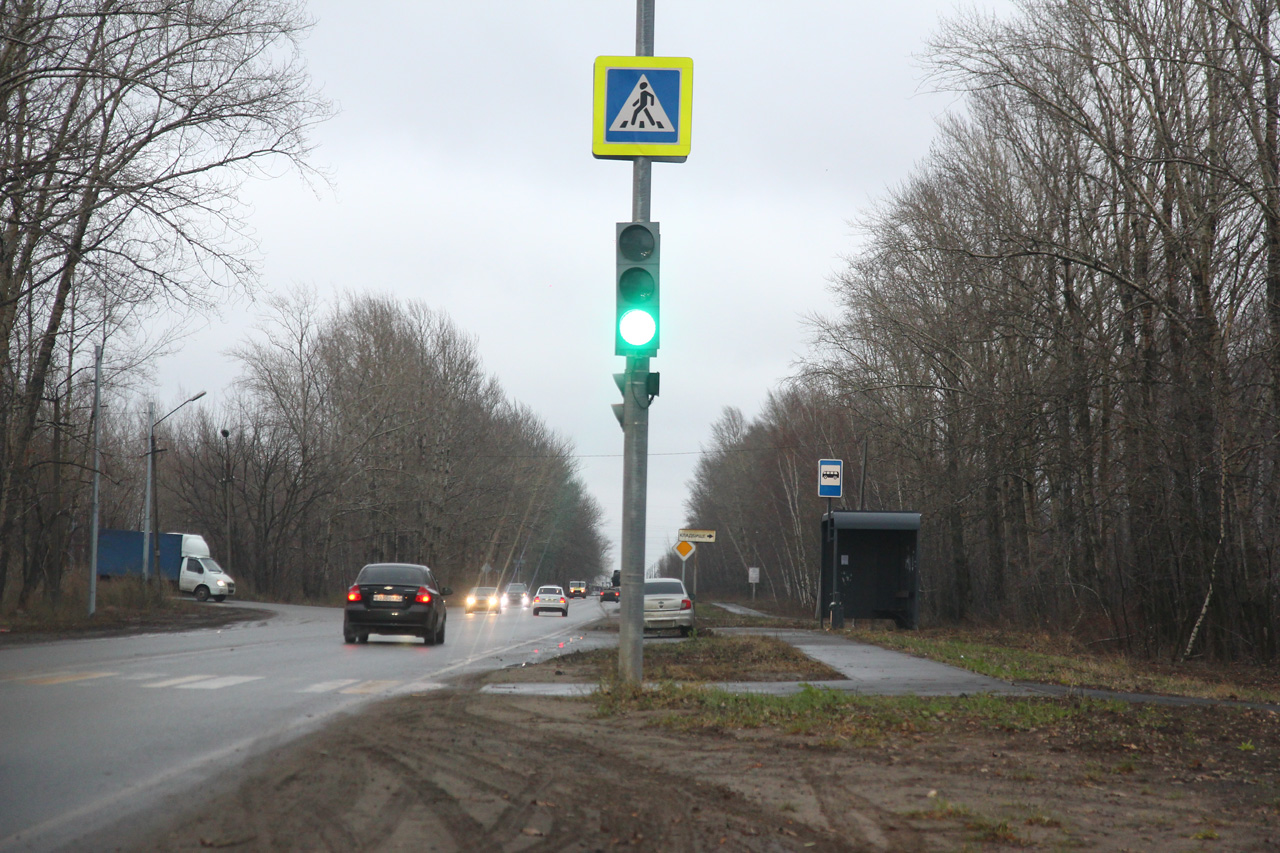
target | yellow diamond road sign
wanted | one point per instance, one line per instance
(684, 549)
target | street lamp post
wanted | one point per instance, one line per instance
(226, 494)
(147, 530)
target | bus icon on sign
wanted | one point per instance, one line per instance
(830, 477)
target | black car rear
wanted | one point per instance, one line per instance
(395, 598)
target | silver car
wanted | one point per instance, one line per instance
(667, 605)
(550, 598)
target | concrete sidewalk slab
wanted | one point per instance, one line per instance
(873, 671)
(869, 670)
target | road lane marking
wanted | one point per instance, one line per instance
(418, 687)
(327, 686)
(63, 677)
(143, 676)
(368, 687)
(218, 683)
(175, 682)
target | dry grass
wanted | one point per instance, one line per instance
(704, 658)
(1053, 659)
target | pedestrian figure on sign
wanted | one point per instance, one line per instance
(641, 105)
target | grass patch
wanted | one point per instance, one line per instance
(1055, 660)
(837, 719)
(711, 616)
(702, 658)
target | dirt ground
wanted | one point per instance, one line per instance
(458, 770)
(184, 614)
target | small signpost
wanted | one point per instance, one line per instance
(753, 578)
(830, 480)
(693, 535)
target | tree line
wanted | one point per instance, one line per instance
(363, 430)
(1060, 337)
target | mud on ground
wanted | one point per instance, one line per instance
(458, 770)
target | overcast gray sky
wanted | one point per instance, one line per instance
(463, 177)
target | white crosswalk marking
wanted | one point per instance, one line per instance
(174, 682)
(327, 686)
(216, 683)
(371, 687)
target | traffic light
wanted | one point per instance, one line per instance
(636, 321)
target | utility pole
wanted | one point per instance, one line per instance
(97, 477)
(226, 494)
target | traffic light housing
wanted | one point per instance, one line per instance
(636, 321)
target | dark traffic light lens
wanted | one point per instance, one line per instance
(636, 285)
(635, 243)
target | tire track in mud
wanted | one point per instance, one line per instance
(463, 771)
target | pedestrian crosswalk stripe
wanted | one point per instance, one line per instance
(370, 687)
(216, 683)
(326, 686)
(174, 682)
(63, 677)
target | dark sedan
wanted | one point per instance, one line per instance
(395, 598)
(609, 593)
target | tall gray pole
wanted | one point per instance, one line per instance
(146, 504)
(635, 428)
(97, 477)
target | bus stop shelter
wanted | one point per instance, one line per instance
(878, 560)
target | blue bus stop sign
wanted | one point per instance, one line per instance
(830, 477)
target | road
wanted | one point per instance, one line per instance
(99, 738)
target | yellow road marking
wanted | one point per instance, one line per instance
(64, 677)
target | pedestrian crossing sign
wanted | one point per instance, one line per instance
(643, 108)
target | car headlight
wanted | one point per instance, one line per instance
(493, 599)
(524, 599)
(471, 599)
(222, 583)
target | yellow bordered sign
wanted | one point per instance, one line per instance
(643, 108)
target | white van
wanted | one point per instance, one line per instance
(200, 574)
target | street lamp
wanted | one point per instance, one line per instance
(226, 494)
(152, 423)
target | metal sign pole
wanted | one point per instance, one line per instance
(635, 427)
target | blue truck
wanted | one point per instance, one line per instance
(183, 559)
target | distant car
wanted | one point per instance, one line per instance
(609, 593)
(483, 598)
(549, 598)
(577, 589)
(667, 605)
(395, 598)
(517, 595)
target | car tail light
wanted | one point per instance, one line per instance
(354, 593)
(423, 596)
(562, 599)
(686, 604)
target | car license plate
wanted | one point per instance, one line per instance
(387, 596)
